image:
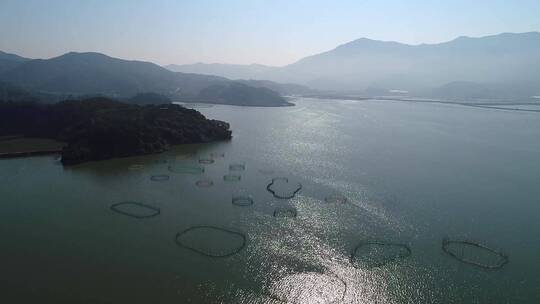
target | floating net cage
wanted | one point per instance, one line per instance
(232, 178)
(184, 156)
(206, 160)
(285, 212)
(242, 200)
(474, 253)
(204, 183)
(136, 167)
(237, 167)
(336, 199)
(159, 178)
(135, 209)
(211, 241)
(308, 287)
(280, 188)
(377, 254)
(183, 168)
(217, 154)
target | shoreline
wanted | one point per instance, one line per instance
(9, 155)
(480, 104)
(16, 146)
(210, 104)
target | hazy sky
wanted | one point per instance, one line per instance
(273, 32)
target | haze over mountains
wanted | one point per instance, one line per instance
(499, 66)
(504, 66)
(231, 71)
(9, 61)
(97, 74)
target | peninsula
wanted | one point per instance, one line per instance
(103, 128)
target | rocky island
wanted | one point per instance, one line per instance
(102, 128)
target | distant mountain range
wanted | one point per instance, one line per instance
(253, 75)
(9, 61)
(503, 66)
(83, 74)
(231, 71)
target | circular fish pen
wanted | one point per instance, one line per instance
(335, 199)
(474, 253)
(184, 156)
(185, 169)
(217, 154)
(237, 167)
(285, 212)
(242, 201)
(232, 178)
(135, 209)
(204, 183)
(211, 241)
(136, 167)
(280, 188)
(378, 254)
(206, 160)
(159, 178)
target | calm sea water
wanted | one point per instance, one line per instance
(371, 171)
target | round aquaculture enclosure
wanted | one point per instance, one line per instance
(280, 187)
(135, 209)
(159, 178)
(232, 178)
(285, 212)
(206, 160)
(204, 183)
(136, 167)
(184, 156)
(376, 254)
(242, 200)
(474, 253)
(211, 241)
(237, 167)
(185, 169)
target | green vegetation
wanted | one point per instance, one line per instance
(102, 128)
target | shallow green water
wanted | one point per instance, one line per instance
(410, 174)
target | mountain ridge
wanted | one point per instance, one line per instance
(506, 59)
(92, 73)
(9, 61)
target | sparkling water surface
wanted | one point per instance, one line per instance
(370, 172)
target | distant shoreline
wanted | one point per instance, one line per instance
(28, 154)
(212, 103)
(481, 104)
